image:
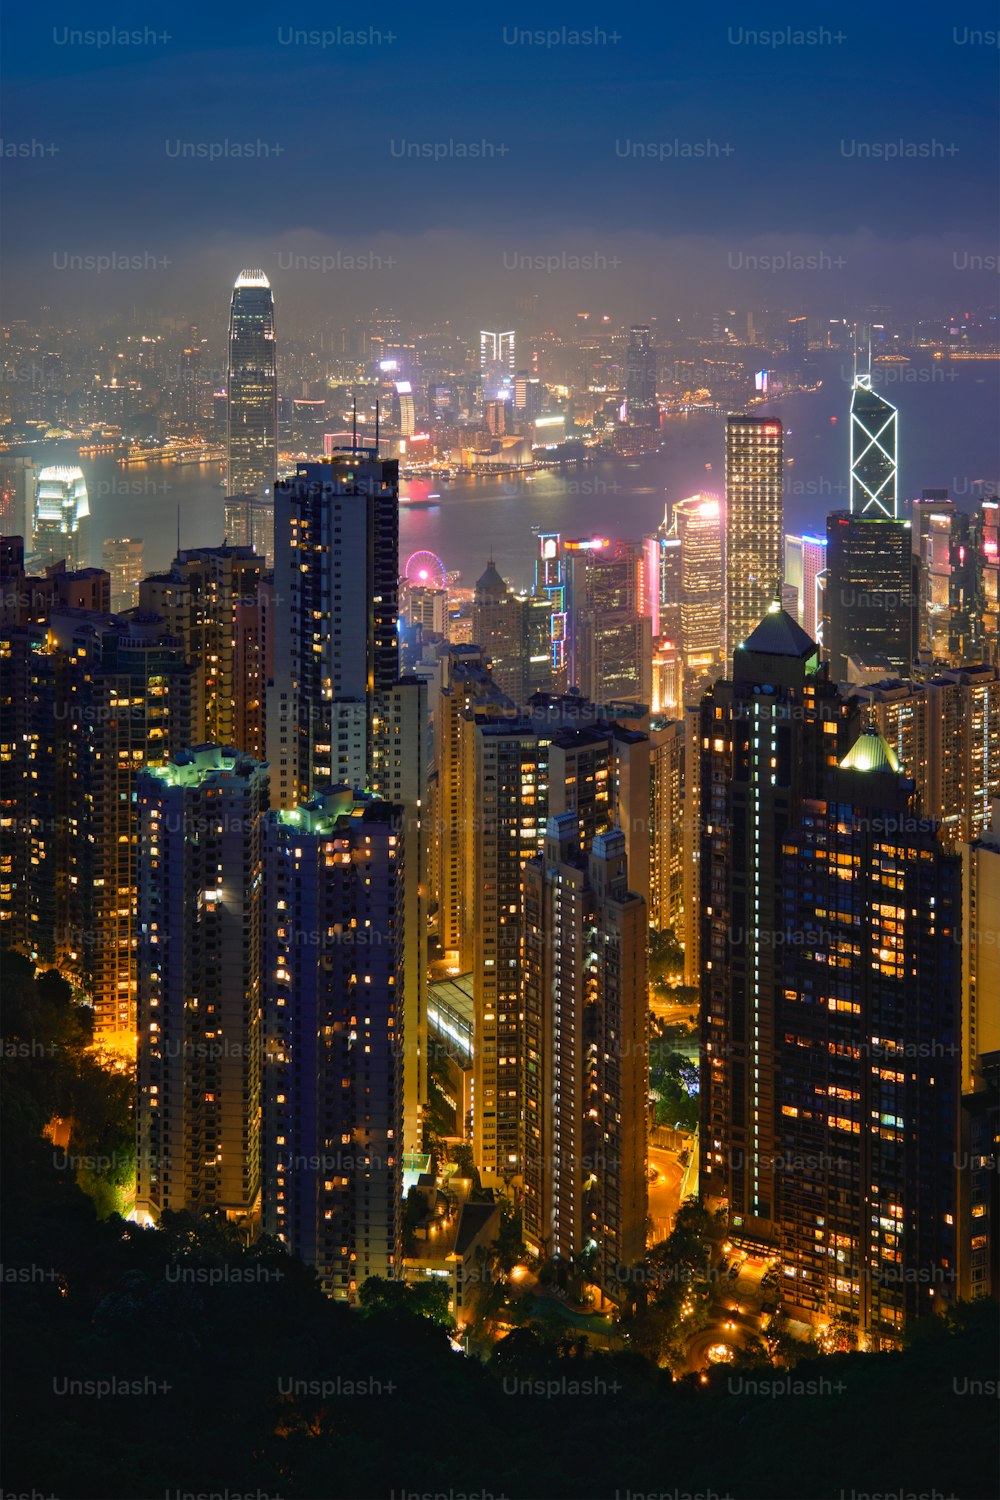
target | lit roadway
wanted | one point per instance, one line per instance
(664, 1193)
(676, 1012)
(734, 1317)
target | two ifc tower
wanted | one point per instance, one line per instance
(252, 405)
(871, 590)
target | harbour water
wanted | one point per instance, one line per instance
(948, 438)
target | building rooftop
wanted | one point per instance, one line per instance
(490, 587)
(203, 762)
(779, 635)
(474, 1220)
(870, 752)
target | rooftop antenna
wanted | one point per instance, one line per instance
(178, 531)
(354, 427)
(376, 426)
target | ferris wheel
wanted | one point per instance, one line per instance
(425, 570)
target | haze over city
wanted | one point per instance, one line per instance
(500, 755)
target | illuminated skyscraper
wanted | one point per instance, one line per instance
(497, 349)
(121, 556)
(336, 646)
(873, 584)
(402, 776)
(189, 392)
(252, 435)
(873, 452)
(868, 1078)
(754, 523)
(830, 982)
(249, 522)
(660, 592)
(17, 496)
(698, 525)
(768, 738)
(200, 929)
(805, 559)
(200, 600)
(88, 698)
(980, 952)
(667, 693)
(467, 682)
(668, 825)
(611, 641)
(979, 1198)
(948, 627)
(551, 581)
(945, 733)
(62, 517)
(529, 395)
(517, 773)
(586, 1078)
(497, 359)
(988, 576)
(334, 1034)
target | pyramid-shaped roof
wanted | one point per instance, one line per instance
(779, 635)
(490, 585)
(871, 752)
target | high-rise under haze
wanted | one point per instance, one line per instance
(611, 640)
(754, 523)
(121, 557)
(640, 378)
(513, 631)
(252, 421)
(870, 602)
(871, 595)
(874, 459)
(698, 526)
(61, 518)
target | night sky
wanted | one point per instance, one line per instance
(781, 174)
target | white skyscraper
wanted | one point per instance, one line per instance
(62, 515)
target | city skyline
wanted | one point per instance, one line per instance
(500, 756)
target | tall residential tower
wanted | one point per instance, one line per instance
(200, 910)
(336, 647)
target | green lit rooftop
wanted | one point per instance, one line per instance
(195, 766)
(870, 752)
